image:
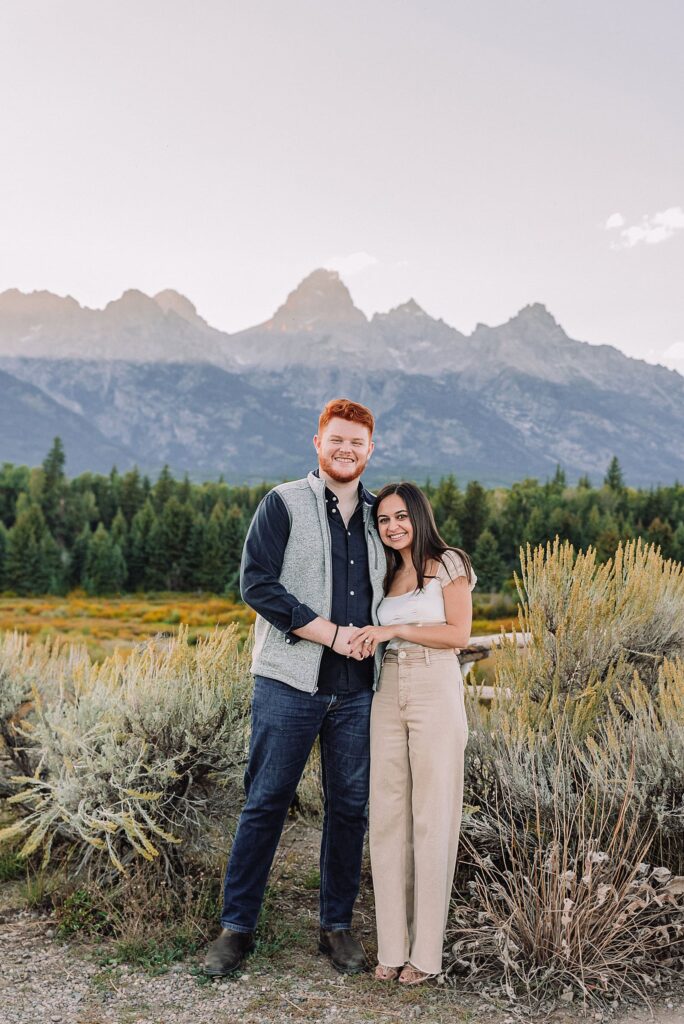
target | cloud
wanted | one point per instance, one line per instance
(616, 220)
(651, 230)
(352, 264)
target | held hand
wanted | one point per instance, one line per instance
(367, 638)
(344, 646)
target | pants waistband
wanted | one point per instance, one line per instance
(418, 653)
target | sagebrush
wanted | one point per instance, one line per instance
(575, 783)
(142, 759)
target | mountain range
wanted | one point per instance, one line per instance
(148, 381)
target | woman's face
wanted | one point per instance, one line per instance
(394, 523)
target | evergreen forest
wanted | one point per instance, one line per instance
(125, 533)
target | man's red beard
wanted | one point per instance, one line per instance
(334, 473)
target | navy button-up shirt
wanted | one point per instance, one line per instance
(352, 595)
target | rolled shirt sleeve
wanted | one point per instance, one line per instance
(262, 562)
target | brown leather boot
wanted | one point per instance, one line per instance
(344, 950)
(226, 953)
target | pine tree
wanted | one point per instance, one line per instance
(53, 560)
(131, 494)
(78, 555)
(450, 531)
(105, 568)
(447, 501)
(164, 488)
(14, 480)
(196, 552)
(142, 527)
(33, 564)
(119, 533)
(4, 541)
(106, 495)
(559, 481)
(488, 563)
(184, 491)
(662, 535)
(235, 531)
(613, 478)
(475, 514)
(169, 565)
(213, 568)
(54, 488)
(678, 542)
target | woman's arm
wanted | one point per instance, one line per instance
(458, 609)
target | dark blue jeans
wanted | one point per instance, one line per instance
(285, 724)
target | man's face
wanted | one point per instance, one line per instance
(343, 449)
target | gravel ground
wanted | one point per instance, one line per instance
(44, 980)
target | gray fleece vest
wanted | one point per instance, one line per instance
(307, 573)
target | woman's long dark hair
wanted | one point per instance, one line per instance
(426, 544)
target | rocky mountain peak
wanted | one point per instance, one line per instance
(133, 305)
(320, 301)
(535, 319)
(536, 312)
(171, 301)
(408, 309)
(34, 305)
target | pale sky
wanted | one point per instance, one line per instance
(477, 156)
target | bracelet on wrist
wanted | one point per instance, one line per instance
(337, 629)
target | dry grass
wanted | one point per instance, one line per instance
(104, 625)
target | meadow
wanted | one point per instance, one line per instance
(103, 625)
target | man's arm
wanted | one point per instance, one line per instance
(260, 586)
(262, 563)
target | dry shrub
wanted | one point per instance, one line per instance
(576, 776)
(31, 672)
(142, 761)
(569, 906)
(592, 626)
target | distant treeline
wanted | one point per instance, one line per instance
(122, 532)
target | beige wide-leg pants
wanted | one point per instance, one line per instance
(418, 737)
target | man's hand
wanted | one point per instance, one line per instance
(343, 644)
(366, 639)
(321, 631)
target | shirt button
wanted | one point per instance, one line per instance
(349, 533)
(351, 623)
(288, 641)
(351, 592)
(402, 654)
(352, 562)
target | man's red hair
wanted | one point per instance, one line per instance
(346, 410)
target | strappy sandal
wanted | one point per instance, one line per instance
(410, 975)
(384, 973)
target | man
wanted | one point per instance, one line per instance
(313, 569)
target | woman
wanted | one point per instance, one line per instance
(418, 734)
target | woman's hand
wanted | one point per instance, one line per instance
(366, 639)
